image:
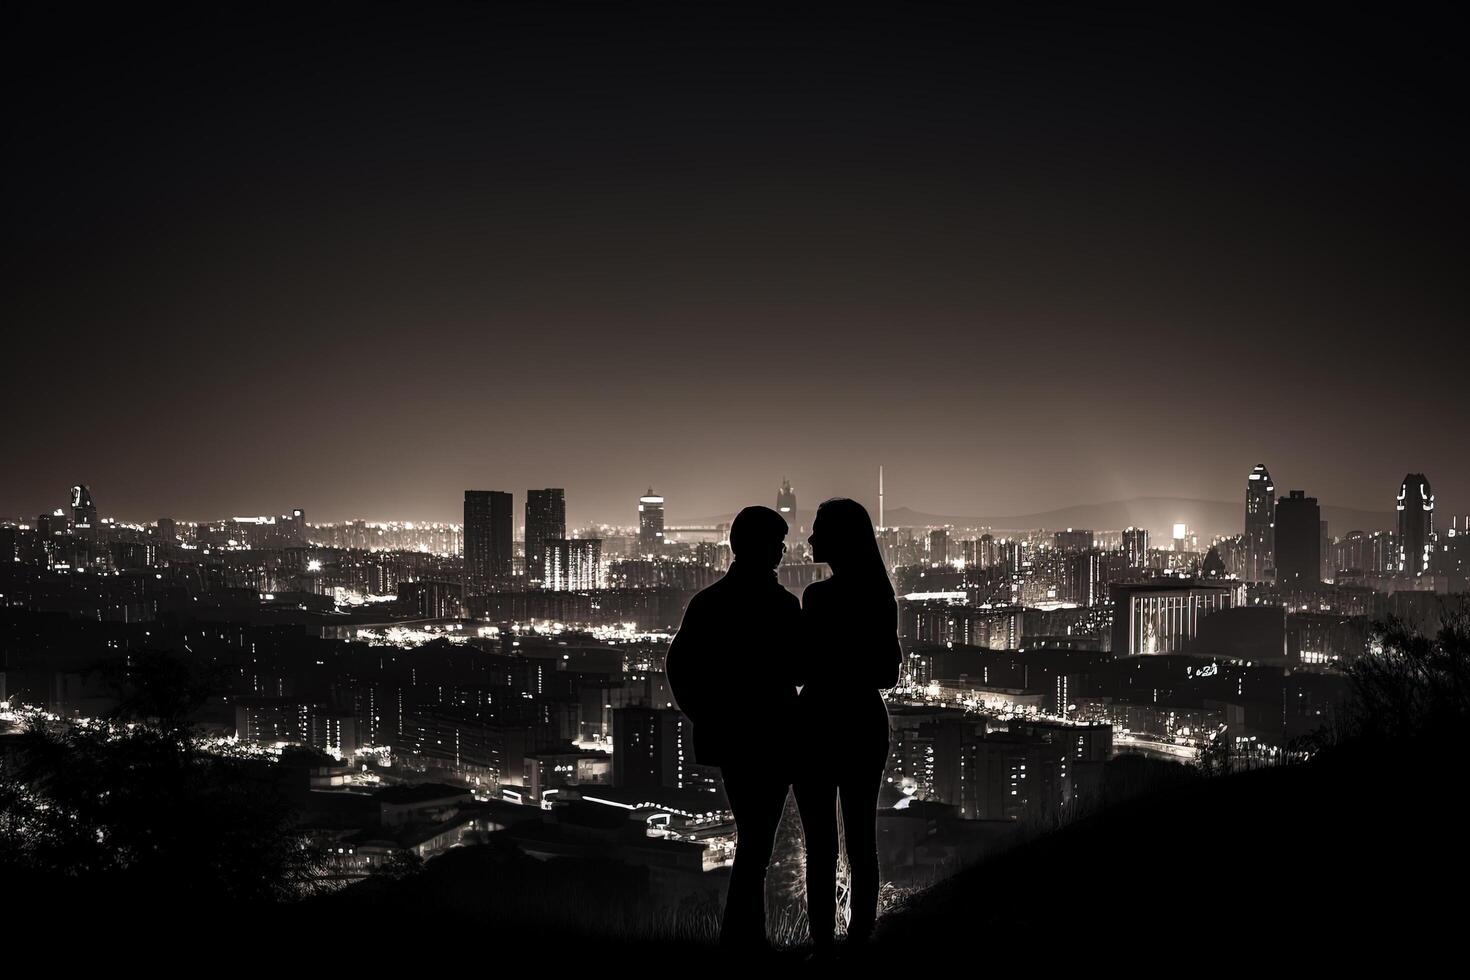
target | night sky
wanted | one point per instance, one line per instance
(360, 258)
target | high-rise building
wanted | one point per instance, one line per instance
(1452, 556)
(1082, 578)
(572, 565)
(651, 748)
(1325, 571)
(786, 505)
(1298, 540)
(83, 511)
(1260, 523)
(1135, 546)
(939, 546)
(546, 520)
(650, 523)
(984, 552)
(488, 528)
(1416, 526)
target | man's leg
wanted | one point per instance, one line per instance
(757, 801)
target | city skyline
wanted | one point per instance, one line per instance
(1210, 520)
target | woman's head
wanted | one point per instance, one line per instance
(842, 536)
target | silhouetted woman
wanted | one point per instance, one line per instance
(850, 654)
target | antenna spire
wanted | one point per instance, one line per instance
(880, 496)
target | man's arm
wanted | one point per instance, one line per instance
(681, 666)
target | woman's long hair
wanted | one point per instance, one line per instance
(851, 540)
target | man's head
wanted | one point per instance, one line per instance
(758, 537)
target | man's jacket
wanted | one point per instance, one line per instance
(732, 669)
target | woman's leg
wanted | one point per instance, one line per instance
(859, 791)
(816, 800)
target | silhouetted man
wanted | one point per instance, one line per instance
(732, 669)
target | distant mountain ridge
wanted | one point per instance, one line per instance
(1158, 514)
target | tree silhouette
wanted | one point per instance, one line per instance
(1412, 685)
(137, 806)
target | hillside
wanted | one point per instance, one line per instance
(1352, 846)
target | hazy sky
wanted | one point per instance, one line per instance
(360, 258)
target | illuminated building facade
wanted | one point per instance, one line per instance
(487, 541)
(1298, 540)
(1163, 615)
(1415, 526)
(572, 565)
(1260, 524)
(1452, 554)
(546, 520)
(650, 523)
(1135, 546)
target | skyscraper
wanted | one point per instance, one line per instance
(1416, 525)
(1260, 523)
(650, 523)
(786, 504)
(1298, 539)
(488, 526)
(83, 511)
(939, 546)
(546, 520)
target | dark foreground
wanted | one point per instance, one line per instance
(1357, 852)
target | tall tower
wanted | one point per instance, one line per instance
(546, 520)
(650, 523)
(1416, 526)
(880, 499)
(488, 526)
(786, 504)
(1260, 523)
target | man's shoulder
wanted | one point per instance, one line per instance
(733, 593)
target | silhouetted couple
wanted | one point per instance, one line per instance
(743, 649)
